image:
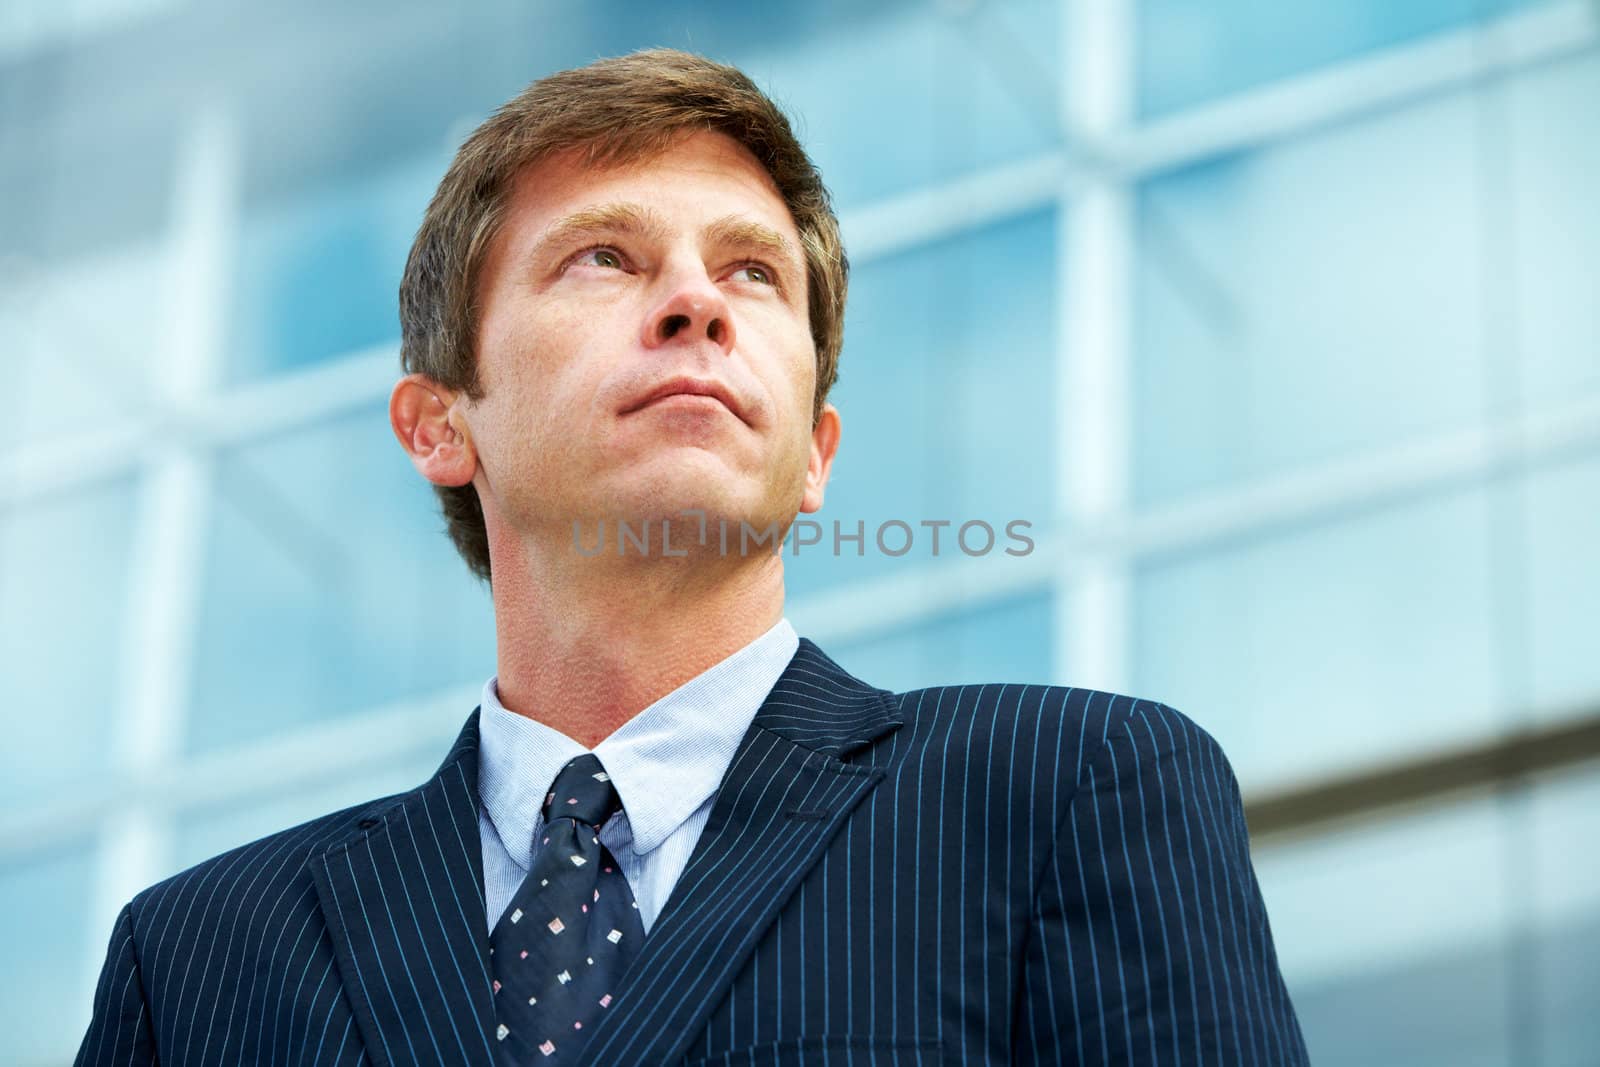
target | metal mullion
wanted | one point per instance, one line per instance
(1447, 62)
(1094, 274)
(136, 837)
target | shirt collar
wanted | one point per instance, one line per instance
(666, 761)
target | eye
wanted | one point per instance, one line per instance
(600, 257)
(755, 272)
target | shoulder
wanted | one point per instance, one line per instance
(278, 862)
(272, 865)
(1064, 729)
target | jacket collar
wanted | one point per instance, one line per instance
(402, 894)
(403, 899)
(785, 797)
(821, 707)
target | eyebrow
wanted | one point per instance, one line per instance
(638, 220)
(756, 236)
(632, 220)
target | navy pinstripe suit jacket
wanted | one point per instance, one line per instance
(982, 874)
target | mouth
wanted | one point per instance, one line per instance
(688, 392)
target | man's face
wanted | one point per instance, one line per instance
(644, 346)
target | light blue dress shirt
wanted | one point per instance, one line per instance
(666, 763)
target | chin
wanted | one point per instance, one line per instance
(668, 497)
(671, 481)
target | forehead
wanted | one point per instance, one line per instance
(699, 175)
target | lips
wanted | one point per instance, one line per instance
(684, 386)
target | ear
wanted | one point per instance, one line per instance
(429, 427)
(824, 443)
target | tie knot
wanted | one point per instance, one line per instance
(582, 791)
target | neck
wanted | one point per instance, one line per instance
(585, 644)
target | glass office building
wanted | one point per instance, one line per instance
(1279, 324)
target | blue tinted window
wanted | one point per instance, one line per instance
(329, 586)
(80, 334)
(1467, 914)
(63, 623)
(886, 96)
(1554, 147)
(1564, 909)
(1010, 641)
(1409, 911)
(1190, 53)
(946, 396)
(317, 276)
(931, 94)
(45, 924)
(1328, 648)
(1299, 304)
(205, 832)
(1563, 576)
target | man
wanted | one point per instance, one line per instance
(674, 831)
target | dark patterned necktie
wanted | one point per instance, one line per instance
(569, 933)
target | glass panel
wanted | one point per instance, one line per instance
(329, 586)
(63, 598)
(1564, 815)
(885, 96)
(27, 25)
(1562, 1028)
(1287, 302)
(45, 988)
(1006, 642)
(1328, 648)
(87, 333)
(203, 833)
(1410, 911)
(1481, 918)
(316, 277)
(934, 90)
(1563, 811)
(87, 165)
(933, 93)
(1190, 53)
(1554, 143)
(1563, 575)
(946, 396)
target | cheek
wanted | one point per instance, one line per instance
(538, 369)
(788, 341)
(804, 383)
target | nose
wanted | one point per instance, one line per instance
(692, 309)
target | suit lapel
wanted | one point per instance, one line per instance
(403, 899)
(784, 798)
